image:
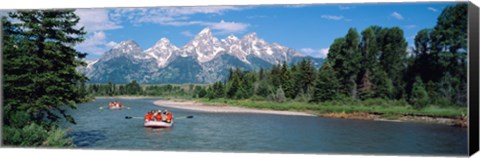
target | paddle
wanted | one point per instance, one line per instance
(124, 107)
(183, 117)
(132, 117)
(176, 118)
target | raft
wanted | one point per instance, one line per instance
(158, 124)
(116, 108)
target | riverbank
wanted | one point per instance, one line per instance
(127, 97)
(197, 106)
(281, 108)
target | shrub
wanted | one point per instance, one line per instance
(419, 96)
(35, 135)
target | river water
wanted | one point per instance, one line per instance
(259, 133)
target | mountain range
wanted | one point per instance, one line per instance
(205, 59)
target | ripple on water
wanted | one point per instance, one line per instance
(86, 138)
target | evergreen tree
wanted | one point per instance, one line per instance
(345, 57)
(393, 58)
(287, 81)
(218, 90)
(327, 86)
(419, 98)
(383, 85)
(307, 78)
(234, 84)
(40, 76)
(366, 86)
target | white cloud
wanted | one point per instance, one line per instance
(228, 27)
(96, 20)
(96, 44)
(180, 16)
(397, 15)
(319, 53)
(257, 16)
(410, 26)
(111, 44)
(332, 17)
(296, 6)
(345, 7)
(432, 9)
(187, 33)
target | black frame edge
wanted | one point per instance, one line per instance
(473, 96)
(1, 83)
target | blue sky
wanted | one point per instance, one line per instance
(310, 29)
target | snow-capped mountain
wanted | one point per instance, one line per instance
(161, 51)
(205, 59)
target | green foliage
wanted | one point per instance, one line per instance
(419, 98)
(133, 88)
(36, 135)
(440, 57)
(388, 107)
(57, 138)
(40, 62)
(278, 97)
(40, 77)
(202, 93)
(327, 86)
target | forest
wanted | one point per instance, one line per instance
(373, 64)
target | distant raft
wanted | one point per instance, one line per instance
(158, 124)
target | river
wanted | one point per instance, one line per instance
(260, 133)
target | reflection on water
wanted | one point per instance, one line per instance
(226, 132)
(156, 131)
(86, 138)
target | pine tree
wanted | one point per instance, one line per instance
(40, 75)
(42, 64)
(327, 86)
(287, 81)
(307, 78)
(393, 57)
(366, 86)
(419, 98)
(383, 85)
(234, 84)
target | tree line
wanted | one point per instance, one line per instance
(375, 63)
(134, 88)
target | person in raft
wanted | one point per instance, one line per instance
(168, 116)
(149, 116)
(117, 104)
(158, 115)
(111, 105)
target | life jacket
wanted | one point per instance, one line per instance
(169, 116)
(148, 116)
(158, 117)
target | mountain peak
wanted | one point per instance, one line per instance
(232, 37)
(163, 41)
(205, 31)
(127, 43)
(251, 35)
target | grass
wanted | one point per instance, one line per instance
(389, 109)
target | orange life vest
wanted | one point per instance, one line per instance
(158, 117)
(169, 116)
(148, 116)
